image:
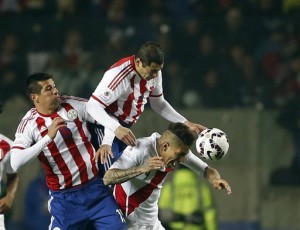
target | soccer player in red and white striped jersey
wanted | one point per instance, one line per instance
(140, 171)
(12, 178)
(123, 92)
(55, 131)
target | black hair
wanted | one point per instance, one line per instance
(150, 52)
(183, 132)
(32, 80)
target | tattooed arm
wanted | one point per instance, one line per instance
(116, 176)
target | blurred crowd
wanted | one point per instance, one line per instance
(219, 53)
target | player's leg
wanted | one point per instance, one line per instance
(67, 212)
(103, 209)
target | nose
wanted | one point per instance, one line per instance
(55, 90)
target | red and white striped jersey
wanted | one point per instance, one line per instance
(68, 159)
(5, 146)
(138, 197)
(124, 93)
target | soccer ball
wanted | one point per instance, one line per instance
(212, 144)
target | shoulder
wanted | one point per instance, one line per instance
(72, 99)
(29, 117)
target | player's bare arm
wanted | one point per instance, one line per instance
(213, 176)
(195, 127)
(116, 176)
(125, 135)
(55, 126)
(103, 152)
(6, 202)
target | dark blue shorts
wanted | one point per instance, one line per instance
(118, 146)
(91, 206)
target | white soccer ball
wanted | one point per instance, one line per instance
(212, 144)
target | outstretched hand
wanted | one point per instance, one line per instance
(221, 184)
(103, 152)
(213, 176)
(195, 127)
(125, 135)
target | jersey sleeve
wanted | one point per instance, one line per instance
(194, 163)
(24, 149)
(110, 87)
(158, 88)
(128, 159)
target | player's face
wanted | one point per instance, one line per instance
(148, 72)
(49, 96)
(174, 154)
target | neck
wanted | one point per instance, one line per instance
(46, 110)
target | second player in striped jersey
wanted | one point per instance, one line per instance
(120, 97)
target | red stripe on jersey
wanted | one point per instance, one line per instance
(4, 147)
(155, 95)
(140, 195)
(97, 99)
(119, 77)
(75, 152)
(121, 197)
(124, 60)
(52, 179)
(57, 158)
(112, 108)
(139, 106)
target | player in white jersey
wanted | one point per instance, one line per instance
(56, 132)
(141, 170)
(122, 93)
(12, 178)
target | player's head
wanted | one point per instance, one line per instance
(149, 60)
(41, 89)
(175, 142)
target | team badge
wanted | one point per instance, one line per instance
(105, 95)
(72, 114)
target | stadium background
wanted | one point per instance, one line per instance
(229, 64)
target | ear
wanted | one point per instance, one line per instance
(165, 146)
(138, 62)
(34, 97)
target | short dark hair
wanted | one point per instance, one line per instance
(183, 132)
(150, 52)
(32, 80)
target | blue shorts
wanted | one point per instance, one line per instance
(91, 206)
(118, 146)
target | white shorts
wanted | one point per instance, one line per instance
(2, 227)
(138, 226)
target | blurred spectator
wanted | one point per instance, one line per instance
(211, 90)
(185, 203)
(10, 6)
(72, 50)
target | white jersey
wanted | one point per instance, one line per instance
(138, 197)
(5, 146)
(124, 93)
(68, 158)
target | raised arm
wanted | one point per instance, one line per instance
(213, 177)
(116, 176)
(21, 156)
